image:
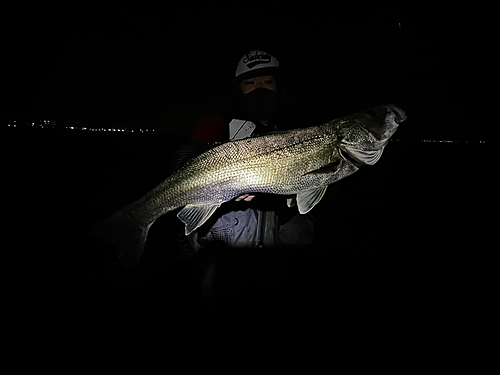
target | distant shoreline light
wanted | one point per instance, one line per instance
(47, 124)
(437, 141)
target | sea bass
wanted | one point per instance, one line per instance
(299, 163)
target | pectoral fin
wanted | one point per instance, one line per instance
(307, 199)
(194, 216)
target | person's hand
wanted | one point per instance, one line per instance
(245, 197)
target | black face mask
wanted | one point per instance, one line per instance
(260, 103)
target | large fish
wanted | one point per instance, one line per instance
(298, 163)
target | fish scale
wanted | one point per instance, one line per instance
(300, 163)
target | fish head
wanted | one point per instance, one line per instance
(363, 136)
(382, 121)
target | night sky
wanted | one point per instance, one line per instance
(138, 66)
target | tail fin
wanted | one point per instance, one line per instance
(125, 234)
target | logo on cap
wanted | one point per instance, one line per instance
(254, 61)
(254, 58)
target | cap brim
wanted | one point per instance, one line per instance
(269, 71)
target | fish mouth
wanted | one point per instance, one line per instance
(399, 114)
(383, 125)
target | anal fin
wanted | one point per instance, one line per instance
(195, 216)
(307, 199)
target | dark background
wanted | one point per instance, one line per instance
(395, 242)
(135, 65)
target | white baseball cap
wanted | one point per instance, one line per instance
(256, 63)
